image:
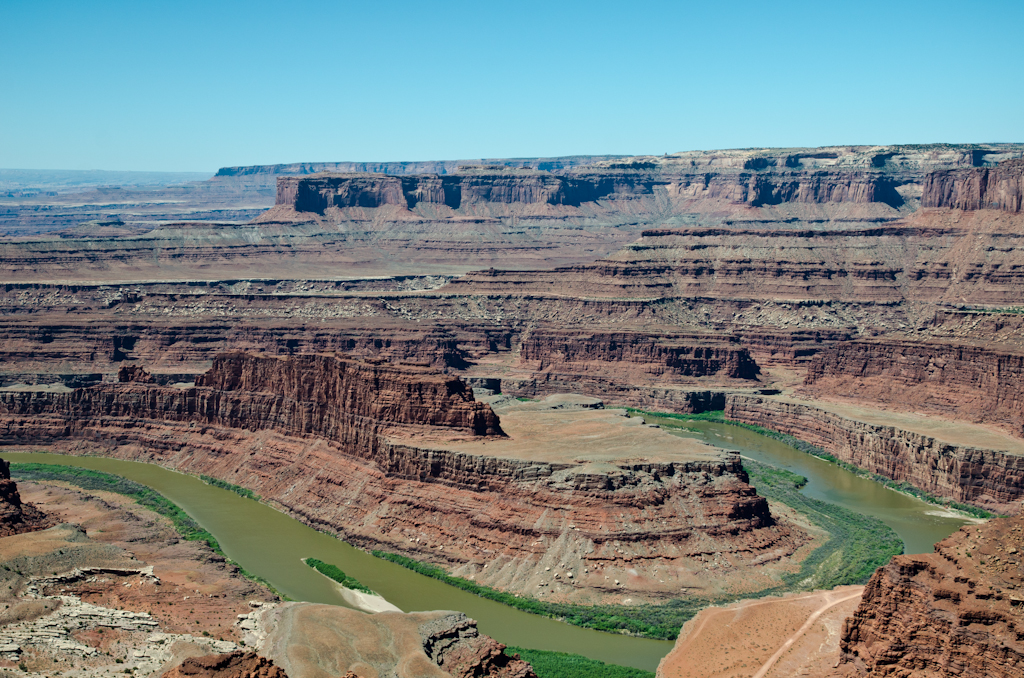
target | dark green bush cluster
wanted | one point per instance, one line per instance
(335, 573)
(146, 497)
(224, 485)
(651, 621)
(858, 544)
(564, 665)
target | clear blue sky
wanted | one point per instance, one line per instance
(193, 86)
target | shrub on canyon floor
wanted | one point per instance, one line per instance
(548, 664)
(335, 573)
(224, 485)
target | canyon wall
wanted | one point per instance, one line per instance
(316, 193)
(991, 479)
(373, 468)
(966, 382)
(996, 188)
(955, 612)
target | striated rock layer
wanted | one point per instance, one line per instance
(998, 188)
(992, 479)
(976, 383)
(955, 612)
(358, 450)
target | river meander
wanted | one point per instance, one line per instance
(918, 523)
(271, 544)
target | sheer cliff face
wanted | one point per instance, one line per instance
(15, 516)
(984, 477)
(956, 612)
(316, 193)
(971, 260)
(996, 188)
(361, 449)
(966, 382)
(335, 386)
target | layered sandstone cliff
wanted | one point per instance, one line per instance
(955, 612)
(989, 478)
(976, 383)
(996, 188)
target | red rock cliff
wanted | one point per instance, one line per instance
(659, 355)
(956, 612)
(971, 382)
(330, 386)
(997, 188)
(385, 484)
(992, 479)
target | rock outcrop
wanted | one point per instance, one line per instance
(325, 640)
(663, 356)
(976, 383)
(955, 612)
(134, 373)
(995, 188)
(454, 644)
(236, 664)
(15, 516)
(988, 478)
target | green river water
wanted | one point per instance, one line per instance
(270, 544)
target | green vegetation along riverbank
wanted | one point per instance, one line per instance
(144, 496)
(224, 485)
(718, 416)
(563, 665)
(334, 572)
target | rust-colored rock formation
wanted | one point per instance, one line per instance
(997, 188)
(955, 612)
(360, 449)
(134, 373)
(335, 387)
(236, 664)
(16, 517)
(976, 383)
(984, 477)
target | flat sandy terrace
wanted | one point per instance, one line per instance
(956, 432)
(566, 429)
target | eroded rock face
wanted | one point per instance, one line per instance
(16, 517)
(997, 188)
(955, 612)
(335, 386)
(236, 664)
(969, 382)
(992, 479)
(454, 644)
(311, 640)
(134, 373)
(661, 356)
